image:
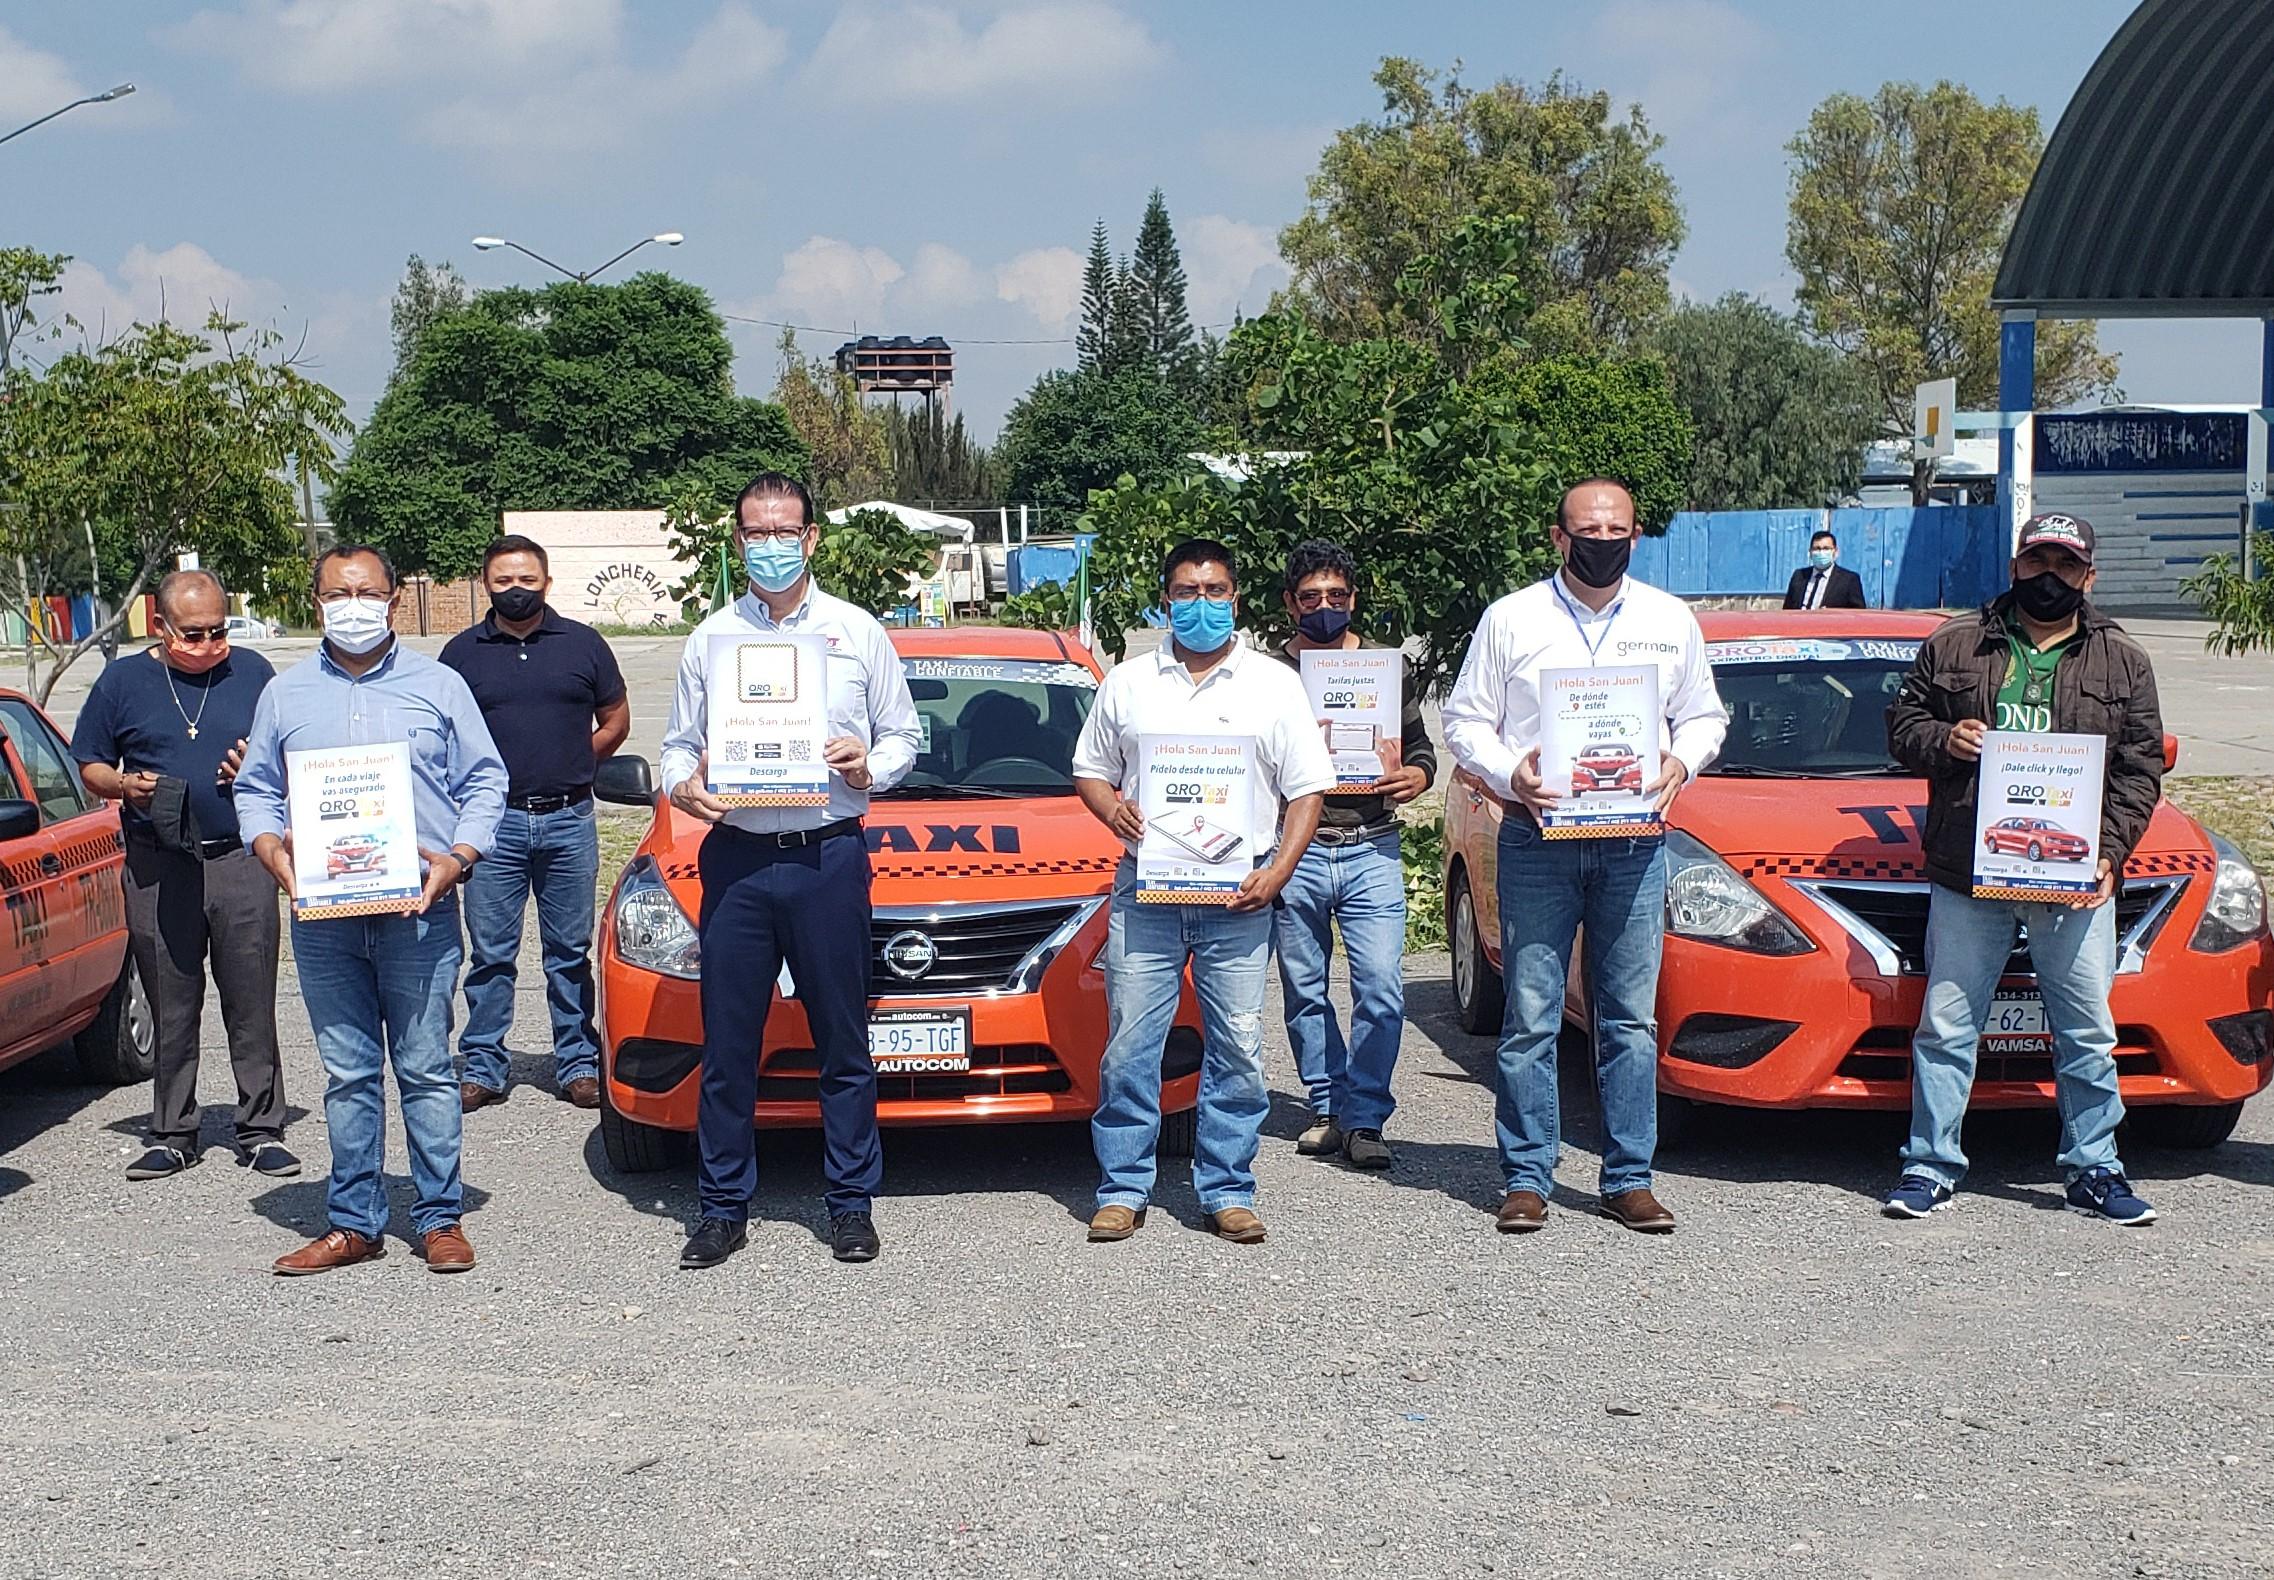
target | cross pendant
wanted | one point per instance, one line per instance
(193, 732)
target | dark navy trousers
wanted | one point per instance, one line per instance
(810, 906)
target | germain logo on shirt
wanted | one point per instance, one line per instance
(1628, 645)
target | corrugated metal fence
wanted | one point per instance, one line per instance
(1933, 557)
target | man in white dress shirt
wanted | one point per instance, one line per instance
(1202, 681)
(1589, 614)
(789, 883)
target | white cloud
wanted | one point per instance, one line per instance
(1677, 58)
(942, 277)
(180, 285)
(321, 46)
(33, 81)
(831, 283)
(1063, 51)
(1228, 263)
(1047, 282)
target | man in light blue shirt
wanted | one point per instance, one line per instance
(380, 987)
(789, 883)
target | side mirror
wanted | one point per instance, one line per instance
(627, 781)
(2170, 753)
(18, 819)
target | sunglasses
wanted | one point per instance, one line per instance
(194, 634)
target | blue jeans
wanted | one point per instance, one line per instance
(1549, 889)
(1146, 949)
(1361, 887)
(2074, 955)
(378, 989)
(556, 857)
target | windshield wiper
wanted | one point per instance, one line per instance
(908, 792)
(1767, 771)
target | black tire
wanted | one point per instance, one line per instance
(2186, 1129)
(1477, 993)
(633, 1147)
(120, 1046)
(1679, 1121)
(1180, 1134)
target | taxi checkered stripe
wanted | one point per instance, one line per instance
(88, 852)
(2140, 866)
(988, 869)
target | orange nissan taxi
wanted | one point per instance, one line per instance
(1797, 908)
(991, 883)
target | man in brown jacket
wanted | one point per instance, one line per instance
(2038, 659)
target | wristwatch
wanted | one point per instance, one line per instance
(465, 856)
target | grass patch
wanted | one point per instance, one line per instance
(674, 628)
(2239, 806)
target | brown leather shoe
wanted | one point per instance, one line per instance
(1522, 1212)
(339, 1248)
(448, 1250)
(1640, 1211)
(583, 1092)
(473, 1095)
(1116, 1223)
(1237, 1225)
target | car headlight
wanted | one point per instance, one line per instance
(1706, 899)
(652, 932)
(2236, 913)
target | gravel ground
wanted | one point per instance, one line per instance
(1788, 1386)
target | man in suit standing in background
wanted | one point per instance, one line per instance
(1823, 583)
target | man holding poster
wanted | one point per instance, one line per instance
(2035, 723)
(791, 710)
(1585, 704)
(370, 787)
(1190, 755)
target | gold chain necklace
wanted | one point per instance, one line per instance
(188, 723)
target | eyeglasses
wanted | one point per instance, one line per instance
(340, 595)
(191, 635)
(772, 534)
(1313, 598)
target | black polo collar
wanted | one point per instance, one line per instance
(550, 624)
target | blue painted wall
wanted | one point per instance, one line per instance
(1936, 557)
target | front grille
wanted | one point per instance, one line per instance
(1990, 1067)
(971, 949)
(1010, 1070)
(1895, 917)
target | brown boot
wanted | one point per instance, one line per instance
(1523, 1212)
(448, 1250)
(1237, 1225)
(583, 1092)
(1116, 1223)
(473, 1095)
(1640, 1211)
(339, 1248)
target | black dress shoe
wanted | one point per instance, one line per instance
(852, 1237)
(713, 1242)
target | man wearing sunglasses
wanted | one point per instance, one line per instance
(162, 733)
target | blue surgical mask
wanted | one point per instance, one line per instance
(774, 567)
(1201, 625)
(1822, 558)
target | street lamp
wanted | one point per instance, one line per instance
(669, 238)
(119, 92)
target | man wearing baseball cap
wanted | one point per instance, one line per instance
(2038, 658)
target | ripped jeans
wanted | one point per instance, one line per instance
(1146, 949)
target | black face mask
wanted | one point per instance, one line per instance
(517, 603)
(1324, 625)
(2045, 597)
(1598, 562)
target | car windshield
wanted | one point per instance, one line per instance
(1808, 707)
(995, 728)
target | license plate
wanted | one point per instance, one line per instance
(2016, 1023)
(921, 1042)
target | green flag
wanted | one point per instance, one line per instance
(722, 585)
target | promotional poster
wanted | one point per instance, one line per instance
(768, 708)
(1356, 695)
(354, 837)
(2037, 816)
(1197, 793)
(1599, 732)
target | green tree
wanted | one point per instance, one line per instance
(1777, 421)
(1128, 337)
(424, 295)
(1073, 432)
(25, 277)
(1608, 417)
(569, 397)
(2240, 608)
(867, 558)
(1901, 204)
(1098, 281)
(850, 456)
(1156, 279)
(1604, 218)
(935, 459)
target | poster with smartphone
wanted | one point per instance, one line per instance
(768, 707)
(2037, 816)
(1198, 796)
(1598, 749)
(354, 836)
(1357, 695)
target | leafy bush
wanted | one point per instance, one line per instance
(1051, 606)
(2240, 608)
(866, 559)
(1423, 846)
(1609, 418)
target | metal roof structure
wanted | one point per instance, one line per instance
(2155, 197)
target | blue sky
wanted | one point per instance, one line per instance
(903, 166)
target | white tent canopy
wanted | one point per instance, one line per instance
(925, 521)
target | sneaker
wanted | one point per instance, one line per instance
(2104, 1193)
(271, 1158)
(159, 1162)
(1365, 1149)
(1322, 1139)
(1915, 1198)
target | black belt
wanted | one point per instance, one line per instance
(1328, 835)
(207, 849)
(791, 838)
(549, 803)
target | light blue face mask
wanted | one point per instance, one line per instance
(774, 567)
(1201, 625)
(1822, 558)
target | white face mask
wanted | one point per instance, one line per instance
(355, 625)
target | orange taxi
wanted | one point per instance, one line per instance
(1797, 906)
(65, 972)
(991, 883)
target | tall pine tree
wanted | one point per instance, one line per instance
(1156, 276)
(1128, 343)
(1091, 340)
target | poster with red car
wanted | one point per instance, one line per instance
(1599, 733)
(2037, 816)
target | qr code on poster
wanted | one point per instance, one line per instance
(801, 751)
(738, 751)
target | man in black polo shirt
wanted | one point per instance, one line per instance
(160, 733)
(554, 700)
